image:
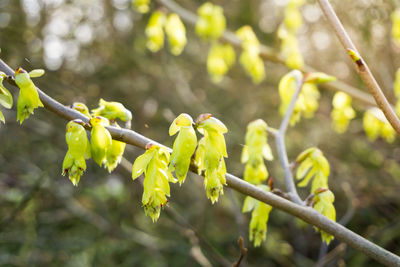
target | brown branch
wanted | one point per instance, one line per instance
(361, 66)
(307, 214)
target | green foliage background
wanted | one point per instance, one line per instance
(45, 221)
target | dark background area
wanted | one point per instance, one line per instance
(96, 49)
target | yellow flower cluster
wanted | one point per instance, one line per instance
(287, 33)
(141, 6)
(307, 102)
(254, 152)
(6, 99)
(154, 164)
(314, 166)
(210, 155)
(396, 26)
(211, 23)
(376, 125)
(174, 29)
(342, 112)
(250, 56)
(220, 59)
(259, 217)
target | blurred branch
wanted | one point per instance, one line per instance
(195, 251)
(307, 214)
(237, 212)
(331, 255)
(190, 231)
(268, 54)
(280, 142)
(361, 65)
(24, 202)
(243, 252)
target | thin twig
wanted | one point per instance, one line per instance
(268, 54)
(361, 66)
(243, 252)
(237, 212)
(307, 214)
(331, 255)
(280, 142)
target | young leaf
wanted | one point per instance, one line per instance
(82, 108)
(74, 162)
(259, 217)
(287, 33)
(36, 73)
(154, 164)
(313, 165)
(6, 99)
(375, 125)
(142, 6)
(184, 146)
(250, 58)
(28, 98)
(324, 205)
(2, 119)
(211, 22)
(114, 155)
(249, 204)
(176, 34)
(210, 154)
(101, 139)
(154, 31)
(220, 58)
(318, 77)
(255, 150)
(342, 112)
(112, 111)
(141, 162)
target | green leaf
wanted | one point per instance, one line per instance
(249, 204)
(308, 177)
(154, 31)
(303, 168)
(303, 155)
(183, 120)
(112, 111)
(211, 22)
(141, 163)
(36, 73)
(318, 77)
(2, 119)
(245, 154)
(324, 205)
(176, 34)
(213, 124)
(6, 99)
(267, 153)
(28, 99)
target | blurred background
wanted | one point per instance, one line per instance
(96, 49)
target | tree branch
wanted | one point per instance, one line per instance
(268, 54)
(280, 142)
(361, 66)
(307, 214)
